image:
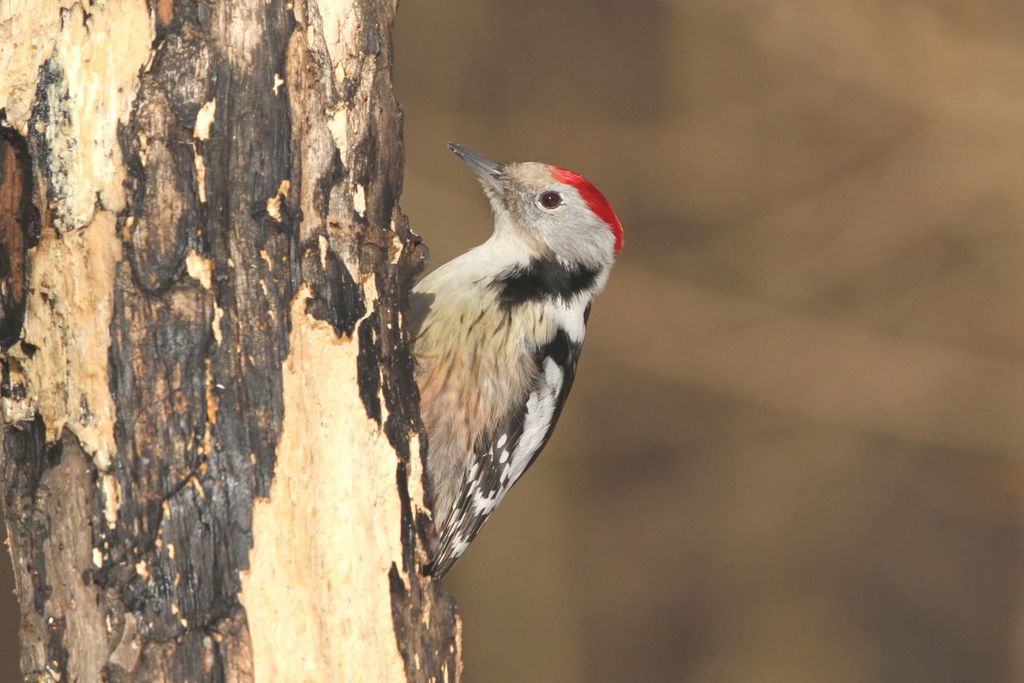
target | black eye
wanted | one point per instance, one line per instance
(550, 200)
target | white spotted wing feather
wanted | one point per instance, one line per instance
(499, 463)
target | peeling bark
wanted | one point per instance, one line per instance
(212, 453)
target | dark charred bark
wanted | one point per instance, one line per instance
(260, 197)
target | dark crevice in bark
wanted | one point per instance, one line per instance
(27, 459)
(19, 231)
(51, 107)
(337, 299)
(369, 365)
(56, 653)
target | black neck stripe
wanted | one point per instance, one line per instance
(544, 279)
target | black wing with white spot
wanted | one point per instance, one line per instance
(499, 464)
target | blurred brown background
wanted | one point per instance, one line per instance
(795, 448)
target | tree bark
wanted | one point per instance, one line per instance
(211, 446)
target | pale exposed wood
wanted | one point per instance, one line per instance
(92, 61)
(68, 320)
(313, 542)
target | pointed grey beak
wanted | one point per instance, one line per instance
(490, 173)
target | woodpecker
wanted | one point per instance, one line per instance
(497, 333)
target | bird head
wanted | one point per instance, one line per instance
(552, 211)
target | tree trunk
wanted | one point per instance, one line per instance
(211, 452)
